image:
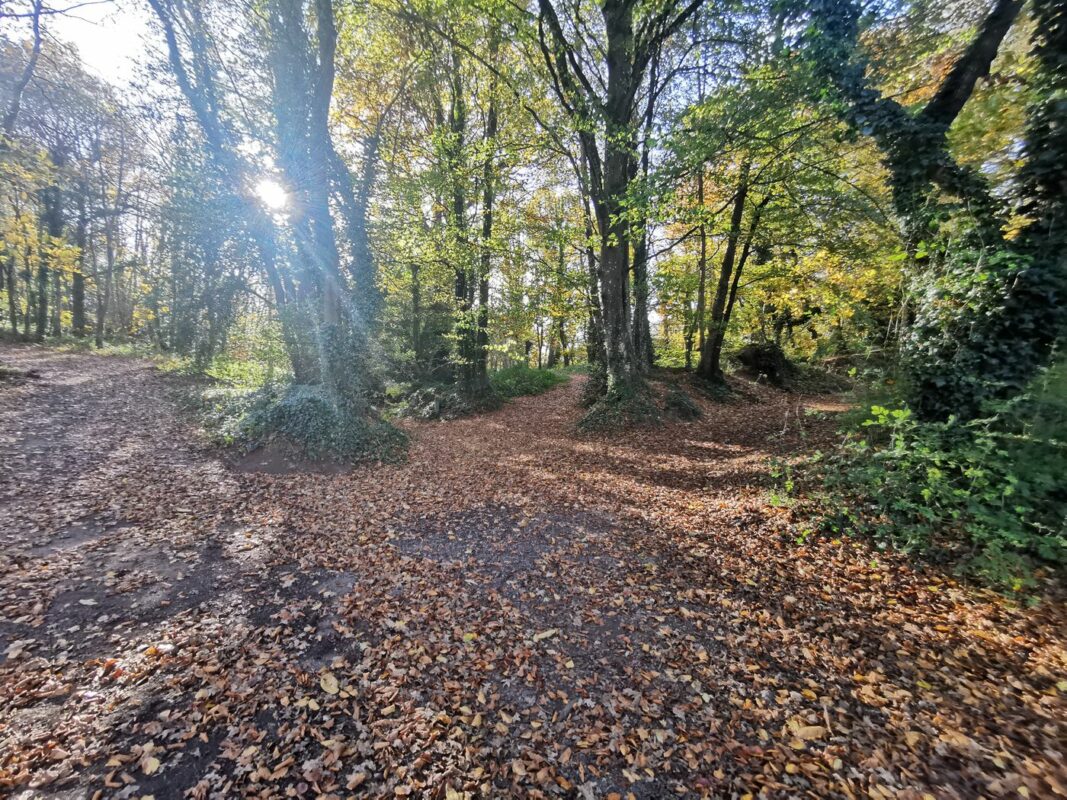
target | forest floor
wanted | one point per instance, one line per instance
(516, 611)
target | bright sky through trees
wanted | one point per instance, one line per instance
(111, 37)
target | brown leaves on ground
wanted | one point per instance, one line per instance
(516, 611)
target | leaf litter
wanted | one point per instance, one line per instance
(517, 611)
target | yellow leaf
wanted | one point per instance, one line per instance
(811, 732)
(545, 634)
(329, 683)
(149, 765)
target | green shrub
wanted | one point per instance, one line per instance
(320, 427)
(443, 401)
(520, 381)
(304, 416)
(990, 492)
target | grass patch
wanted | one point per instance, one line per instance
(521, 381)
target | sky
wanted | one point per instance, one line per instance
(111, 36)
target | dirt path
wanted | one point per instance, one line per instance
(516, 611)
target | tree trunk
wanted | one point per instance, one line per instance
(27, 281)
(620, 363)
(416, 313)
(57, 304)
(702, 265)
(489, 179)
(42, 297)
(641, 330)
(77, 288)
(104, 297)
(12, 292)
(595, 343)
(709, 367)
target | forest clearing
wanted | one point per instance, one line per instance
(596, 399)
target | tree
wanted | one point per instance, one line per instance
(602, 111)
(969, 342)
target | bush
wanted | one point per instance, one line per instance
(989, 492)
(520, 381)
(305, 417)
(220, 410)
(443, 401)
(767, 360)
(320, 427)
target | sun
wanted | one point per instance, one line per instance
(272, 194)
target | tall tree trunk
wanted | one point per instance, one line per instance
(104, 297)
(12, 292)
(641, 329)
(709, 367)
(57, 303)
(702, 266)
(455, 164)
(27, 280)
(416, 313)
(595, 343)
(31, 297)
(52, 228)
(621, 368)
(750, 240)
(489, 181)
(77, 288)
(689, 333)
(42, 297)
